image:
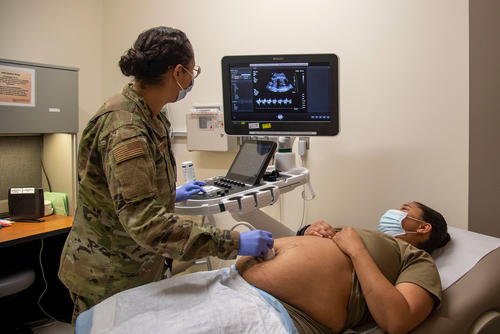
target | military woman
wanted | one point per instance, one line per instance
(124, 227)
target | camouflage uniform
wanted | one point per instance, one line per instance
(124, 226)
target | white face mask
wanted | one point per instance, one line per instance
(391, 222)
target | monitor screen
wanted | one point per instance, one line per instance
(281, 95)
(251, 161)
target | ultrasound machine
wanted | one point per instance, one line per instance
(268, 96)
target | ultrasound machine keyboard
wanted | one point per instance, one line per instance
(222, 195)
(220, 187)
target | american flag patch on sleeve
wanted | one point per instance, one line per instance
(128, 151)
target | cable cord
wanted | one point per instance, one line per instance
(303, 209)
(45, 282)
(46, 176)
(311, 190)
(250, 226)
(303, 161)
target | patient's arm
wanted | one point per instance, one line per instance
(396, 309)
(308, 272)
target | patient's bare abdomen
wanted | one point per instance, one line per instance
(310, 273)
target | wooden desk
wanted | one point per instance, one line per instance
(27, 231)
(38, 246)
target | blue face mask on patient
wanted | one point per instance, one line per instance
(391, 222)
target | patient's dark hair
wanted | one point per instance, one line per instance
(155, 51)
(439, 235)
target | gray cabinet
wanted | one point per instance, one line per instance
(55, 107)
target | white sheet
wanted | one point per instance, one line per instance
(218, 301)
(463, 251)
(234, 305)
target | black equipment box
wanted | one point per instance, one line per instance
(26, 203)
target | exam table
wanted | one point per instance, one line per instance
(223, 301)
(471, 303)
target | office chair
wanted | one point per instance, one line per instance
(13, 284)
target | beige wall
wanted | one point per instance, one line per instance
(57, 32)
(64, 33)
(403, 85)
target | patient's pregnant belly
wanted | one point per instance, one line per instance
(310, 273)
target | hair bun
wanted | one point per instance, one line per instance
(445, 240)
(155, 51)
(130, 63)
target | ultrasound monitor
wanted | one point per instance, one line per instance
(281, 95)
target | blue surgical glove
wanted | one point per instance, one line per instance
(189, 189)
(255, 243)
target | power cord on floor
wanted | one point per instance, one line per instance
(45, 282)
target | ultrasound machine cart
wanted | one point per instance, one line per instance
(243, 192)
(268, 95)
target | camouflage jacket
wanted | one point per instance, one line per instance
(124, 224)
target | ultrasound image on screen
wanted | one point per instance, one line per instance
(279, 88)
(251, 161)
(280, 94)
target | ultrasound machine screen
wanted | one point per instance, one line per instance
(281, 95)
(245, 173)
(251, 161)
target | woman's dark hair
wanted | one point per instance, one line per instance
(439, 235)
(155, 51)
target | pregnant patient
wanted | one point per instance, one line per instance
(309, 273)
(315, 280)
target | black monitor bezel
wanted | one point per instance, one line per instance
(262, 168)
(281, 128)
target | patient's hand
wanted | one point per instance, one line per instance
(349, 241)
(320, 228)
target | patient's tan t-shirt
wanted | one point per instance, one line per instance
(400, 262)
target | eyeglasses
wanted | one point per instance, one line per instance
(196, 71)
